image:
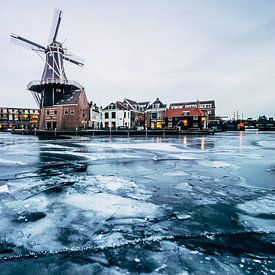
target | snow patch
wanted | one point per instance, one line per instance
(215, 164)
(184, 186)
(114, 183)
(264, 205)
(176, 173)
(4, 188)
(112, 205)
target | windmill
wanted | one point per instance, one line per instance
(54, 84)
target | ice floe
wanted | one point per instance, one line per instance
(112, 205)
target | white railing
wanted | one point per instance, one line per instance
(54, 81)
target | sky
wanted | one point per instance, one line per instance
(177, 50)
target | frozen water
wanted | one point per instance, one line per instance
(184, 186)
(4, 188)
(183, 205)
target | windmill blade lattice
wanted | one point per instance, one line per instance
(23, 42)
(55, 26)
(73, 59)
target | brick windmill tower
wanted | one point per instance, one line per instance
(63, 103)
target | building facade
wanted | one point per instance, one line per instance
(20, 118)
(71, 112)
(95, 117)
(116, 115)
(155, 114)
(137, 113)
(186, 118)
(205, 105)
(127, 114)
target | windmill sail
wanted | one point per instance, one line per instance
(55, 26)
(23, 42)
(73, 59)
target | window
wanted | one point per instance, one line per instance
(66, 112)
(113, 114)
(72, 112)
(195, 117)
(55, 112)
(169, 118)
(47, 112)
(154, 115)
(106, 115)
(195, 124)
(124, 114)
(170, 125)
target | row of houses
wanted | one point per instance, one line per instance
(74, 113)
(141, 115)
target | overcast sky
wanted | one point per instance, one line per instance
(177, 50)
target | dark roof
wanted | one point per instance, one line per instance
(157, 101)
(117, 106)
(121, 105)
(132, 102)
(71, 98)
(144, 103)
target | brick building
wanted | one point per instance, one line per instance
(186, 118)
(71, 112)
(154, 115)
(205, 105)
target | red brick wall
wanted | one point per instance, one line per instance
(69, 121)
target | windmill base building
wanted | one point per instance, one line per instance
(69, 109)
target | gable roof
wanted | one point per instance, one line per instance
(179, 112)
(157, 101)
(132, 102)
(118, 105)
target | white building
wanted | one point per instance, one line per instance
(95, 117)
(127, 114)
(116, 115)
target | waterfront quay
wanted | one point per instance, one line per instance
(113, 132)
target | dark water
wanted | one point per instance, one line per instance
(188, 205)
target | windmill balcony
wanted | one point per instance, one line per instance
(38, 85)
